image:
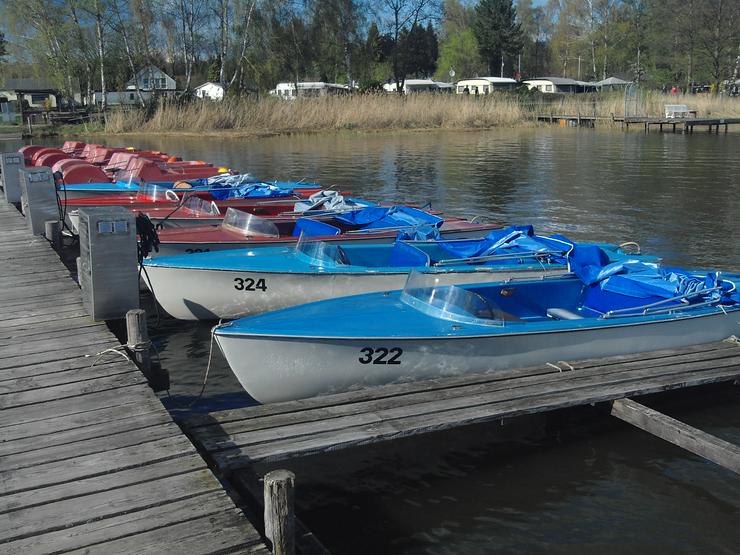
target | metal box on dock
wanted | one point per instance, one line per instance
(38, 198)
(10, 163)
(108, 265)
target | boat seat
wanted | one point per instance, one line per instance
(563, 314)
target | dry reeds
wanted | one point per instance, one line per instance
(268, 115)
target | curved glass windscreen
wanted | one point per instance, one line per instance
(249, 225)
(425, 293)
(319, 253)
(201, 208)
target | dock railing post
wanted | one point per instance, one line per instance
(52, 231)
(138, 338)
(279, 486)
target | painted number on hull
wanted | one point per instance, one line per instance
(249, 284)
(381, 355)
(192, 251)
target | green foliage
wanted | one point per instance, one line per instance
(3, 46)
(418, 48)
(459, 52)
(497, 32)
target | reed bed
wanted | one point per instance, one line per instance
(266, 115)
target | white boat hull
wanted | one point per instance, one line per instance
(273, 369)
(190, 294)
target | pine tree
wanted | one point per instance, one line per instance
(497, 32)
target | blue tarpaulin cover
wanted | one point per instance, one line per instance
(511, 240)
(637, 279)
(420, 233)
(313, 228)
(393, 216)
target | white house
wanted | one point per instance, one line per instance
(411, 86)
(558, 85)
(210, 90)
(485, 85)
(37, 93)
(308, 89)
(152, 78)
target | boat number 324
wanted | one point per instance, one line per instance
(249, 284)
(381, 355)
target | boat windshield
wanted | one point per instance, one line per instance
(201, 208)
(319, 253)
(424, 292)
(153, 192)
(248, 225)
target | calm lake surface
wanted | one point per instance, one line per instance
(573, 482)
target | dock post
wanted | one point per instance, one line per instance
(279, 513)
(138, 339)
(52, 231)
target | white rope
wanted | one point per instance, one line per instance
(551, 365)
(120, 350)
(733, 339)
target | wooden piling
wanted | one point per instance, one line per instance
(138, 339)
(700, 443)
(279, 513)
(53, 233)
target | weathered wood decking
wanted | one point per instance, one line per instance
(90, 461)
(239, 438)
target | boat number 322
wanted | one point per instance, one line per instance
(249, 284)
(381, 355)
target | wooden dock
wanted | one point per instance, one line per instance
(684, 125)
(90, 461)
(237, 439)
(681, 125)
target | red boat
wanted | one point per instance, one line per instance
(243, 230)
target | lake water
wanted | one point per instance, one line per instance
(572, 482)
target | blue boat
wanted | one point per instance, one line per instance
(233, 283)
(431, 330)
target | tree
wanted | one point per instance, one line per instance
(459, 52)
(3, 47)
(497, 31)
(419, 51)
(719, 37)
(403, 15)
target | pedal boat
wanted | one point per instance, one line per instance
(373, 224)
(240, 282)
(430, 330)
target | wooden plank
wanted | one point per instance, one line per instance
(78, 390)
(22, 523)
(712, 448)
(35, 343)
(69, 406)
(59, 472)
(89, 534)
(137, 420)
(434, 401)
(63, 314)
(27, 383)
(60, 351)
(96, 484)
(100, 444)
(225, 532)
(74, 362)
(401, 423)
